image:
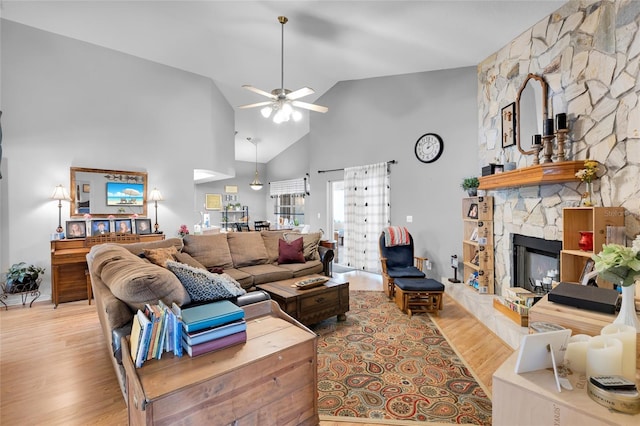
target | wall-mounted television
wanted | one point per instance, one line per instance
(125, 194)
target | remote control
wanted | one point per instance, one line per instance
(612, 383)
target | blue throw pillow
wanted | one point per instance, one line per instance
(203, 285)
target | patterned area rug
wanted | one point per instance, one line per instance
(379, 364)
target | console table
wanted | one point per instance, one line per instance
(270, 379)
(69, 278)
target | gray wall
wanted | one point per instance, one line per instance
(380, 119)
(69, 103)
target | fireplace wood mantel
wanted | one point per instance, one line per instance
(539, 174)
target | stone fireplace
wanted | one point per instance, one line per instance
(532, 259)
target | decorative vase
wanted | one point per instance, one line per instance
(586, 197)
(586, 241)
(627, 313)
(472, 192)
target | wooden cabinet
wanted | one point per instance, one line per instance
(477, 243)
(575, 220)
(69, 279)
(269, 380)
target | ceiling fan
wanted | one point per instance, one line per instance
(283, 100)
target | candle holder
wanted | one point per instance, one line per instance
(536, 154)
(548, 148)
(561, 136)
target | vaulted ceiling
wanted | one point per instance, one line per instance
(238, 42)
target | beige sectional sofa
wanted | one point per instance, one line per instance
(124, 279)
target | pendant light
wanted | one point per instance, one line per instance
(256, 185)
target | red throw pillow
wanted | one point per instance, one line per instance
(290, 252)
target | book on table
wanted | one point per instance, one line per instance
(210, 315)
(215, 344)
(140, 320)
(201, 336)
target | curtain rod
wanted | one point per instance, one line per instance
(339, 170)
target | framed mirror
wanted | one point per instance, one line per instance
(531, 110)
(107, 192)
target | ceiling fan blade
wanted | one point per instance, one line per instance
(257, 104)
(312, 107)
(260, 92)
(300, 93)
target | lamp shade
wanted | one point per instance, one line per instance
(155, 195)
(60, 193)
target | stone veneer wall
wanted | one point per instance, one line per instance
(589, 54)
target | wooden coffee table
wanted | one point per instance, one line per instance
(312, 305)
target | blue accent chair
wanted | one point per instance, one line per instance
(399, 262)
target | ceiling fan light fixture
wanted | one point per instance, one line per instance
(266, 111)
(297, 115)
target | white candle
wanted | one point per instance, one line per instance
(627, 335)
(576, 356)
(604, 356)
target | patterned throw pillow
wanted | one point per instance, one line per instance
(202, 285)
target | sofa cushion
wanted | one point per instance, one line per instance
(290, 252)
(210, 250)
(310, 243)
(138, 248)
(245, 280)
(307, 268)
(247, 248)
(270, 239)
(159, 256)
(187, 259)
(267, 273)
(203, 285)
(137, 282)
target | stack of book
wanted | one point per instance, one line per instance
(155, 330)
(519, 300)
(211, 327)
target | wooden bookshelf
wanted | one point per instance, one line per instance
(477, 243)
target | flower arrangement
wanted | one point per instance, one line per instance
(87, 216)
(619, 264)
(588, 175)
(135, 216)
(183, 230)
(111, 217)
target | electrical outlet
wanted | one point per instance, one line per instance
(428, 265)
(409, 219)
(318, 215)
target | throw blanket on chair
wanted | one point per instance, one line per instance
(396, 236)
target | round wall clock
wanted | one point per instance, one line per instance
(429, 147)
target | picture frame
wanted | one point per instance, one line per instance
(123, 226)
(508, 115)
(213, 201)
(231, 189)
(143, 226)
(76, 229)
(473, 211)
(498, 168)
(86, 187)
(588, 267)
(100, 226)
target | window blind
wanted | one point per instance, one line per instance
(288, 187)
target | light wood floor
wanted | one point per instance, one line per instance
(55, 368)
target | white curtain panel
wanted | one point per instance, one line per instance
(367, 212)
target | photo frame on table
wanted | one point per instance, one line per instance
(123, 226)
(76, 229)
(508, 115)
(588, 268)
(100, 226)
(473, 211)
(213, 201)
(143, 226)
(86, 187)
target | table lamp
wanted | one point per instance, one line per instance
(155, 196)
(60, 193)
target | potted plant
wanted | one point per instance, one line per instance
(21, 278)
(470, 184)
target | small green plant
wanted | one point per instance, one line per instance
(470, 183)
(21, 277)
